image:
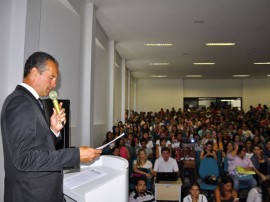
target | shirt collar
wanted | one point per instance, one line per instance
(32, 90)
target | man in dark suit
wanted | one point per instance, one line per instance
(33, 167)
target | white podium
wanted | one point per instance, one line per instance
(111, 187)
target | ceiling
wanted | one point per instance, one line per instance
(189, 25)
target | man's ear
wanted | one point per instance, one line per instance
(34, 72)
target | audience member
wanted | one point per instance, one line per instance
(116, 151)
(141, 165)
(260, 161)
(249, 148)
(266, 150)
(124, 152)
(219, 144)
(166, 163)
(260, 193)
(225, 191)
(208, 152)
(149, 152)
(195, 195)
(162, 144)
(140, 194)
(238, 158)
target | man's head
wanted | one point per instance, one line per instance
(166, 153)
(140, 186)
(195, 190)
(41, 72)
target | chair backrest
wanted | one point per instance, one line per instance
(225, 169)
(208, 166)
(188, 150)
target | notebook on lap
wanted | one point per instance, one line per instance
(166, 176)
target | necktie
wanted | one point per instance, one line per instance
(40, 103)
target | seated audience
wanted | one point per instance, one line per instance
(116, 151)
(238, 158)
(143, 166)
(260, 193)
(225, 191)
(161, 145)
(124, 152)
(140, 194)
(195, 195)
(249, 147)
(178, 137)
(149, 152)
(266, 150)
(165, 163)
(208, 152)
(219, 144)
(260, 161)
(149, 143)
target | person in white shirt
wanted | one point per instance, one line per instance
(140, 194)
(165, 163)
(195, 195)
(260, 193)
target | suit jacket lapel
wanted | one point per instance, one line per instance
(29, 94)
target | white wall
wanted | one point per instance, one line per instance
(5, 22)
(212, 88)
(153, 94)
(256, 91)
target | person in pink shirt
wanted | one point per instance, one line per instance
(238, 158)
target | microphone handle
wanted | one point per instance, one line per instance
(57, 108)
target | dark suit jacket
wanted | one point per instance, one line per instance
(32, 164)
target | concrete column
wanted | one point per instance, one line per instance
(86, 108)
(111, 85)
(123, 85)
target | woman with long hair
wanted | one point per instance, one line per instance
(143, 166)
(225, 191)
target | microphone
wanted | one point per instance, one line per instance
(53, 96)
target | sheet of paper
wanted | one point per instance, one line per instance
(105, 145)
(83, 177)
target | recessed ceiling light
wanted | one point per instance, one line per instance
(193, 76)
(220, 44)
(204, 63)
(261, 63)
(158, 44)
(159, 63)
(241, 76)
(158, 76)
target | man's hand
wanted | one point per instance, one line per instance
(88, 154)
(57, 119)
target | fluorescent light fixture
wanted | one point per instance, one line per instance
(227, 100)
(204, 63)
(158, 44)
(220, 44)
(241, 76)
(268, 75)
(193, 76)
(261, 63)
(159, 63)
(158, 76)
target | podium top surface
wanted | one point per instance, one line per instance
(113, 166)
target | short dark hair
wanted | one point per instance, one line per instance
(165, 149)
(38, 60)
(141, 178)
